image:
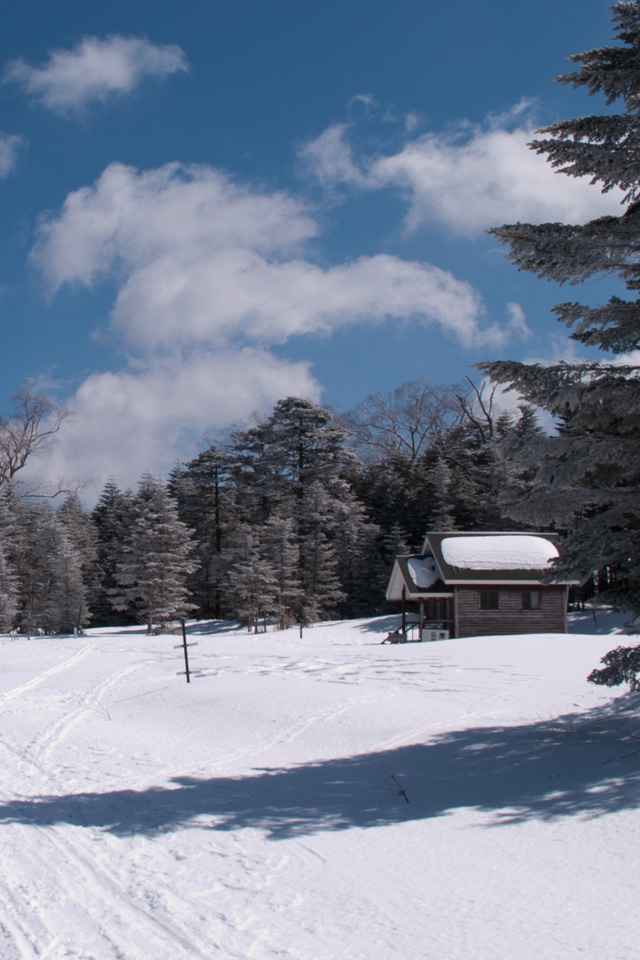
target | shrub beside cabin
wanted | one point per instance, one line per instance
(479, 584)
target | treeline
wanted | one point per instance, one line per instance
(296, 518)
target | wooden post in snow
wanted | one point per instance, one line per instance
(186, 652)
(185, 647)
(404, 611)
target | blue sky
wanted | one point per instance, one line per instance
(208, 206)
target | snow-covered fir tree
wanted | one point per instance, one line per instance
(282, 551)
(319, 557)
(65, 609)
(45, 567)
(391, 491)
(587, 478)
(8, 594)
(80, 532)
(156, 559)
(362, 571)
(295, 465)
(442, 499)
(252, 586)
(111, 518)
(30, 548)
(205, 495)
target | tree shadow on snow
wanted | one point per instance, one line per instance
(585, 765)
(381, 624)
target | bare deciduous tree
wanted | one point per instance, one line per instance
(477, 408)
(403, 422)
(33, 420)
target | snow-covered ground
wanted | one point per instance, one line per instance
(258, 812)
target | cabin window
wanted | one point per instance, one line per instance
(489, 600)
(530, 599)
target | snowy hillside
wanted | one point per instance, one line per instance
(261, 811)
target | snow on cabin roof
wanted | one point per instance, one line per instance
(423, 571)
(498, 552)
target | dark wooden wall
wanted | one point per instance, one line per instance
(510, 617)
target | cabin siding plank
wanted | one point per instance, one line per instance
(472, 621)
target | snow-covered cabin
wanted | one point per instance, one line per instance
(478, 584)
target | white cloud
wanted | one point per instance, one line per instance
(126, 422)
(204, 260)
(10, 144)
(631, 359)
(558, 348)
(366, 100)
(330, 159)
(94, 69)
(210, 275)
(518, 321)
(134, 219)
(238, 295)
(469, 181)
(498, 335)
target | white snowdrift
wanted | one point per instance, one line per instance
(257, 812)
(505, 552)
(423, 571)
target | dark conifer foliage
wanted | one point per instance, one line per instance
(280, 549)
(206, 499)
(155, 559)
(296, 465)
(43, 574)
(8, 576)
(586, 479)
(251, 586)
(111, 516)
(281, 523)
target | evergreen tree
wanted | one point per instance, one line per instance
(362, 572)
(8, 578)
(8, 594)
(46, 561)
(295, 464)
(156, 559)
(319, 559)
(457, 480)
(80, 534)
(392, 492)
(282, 551)
(64, 606)
(299, 444)
(587, 478)
(47, 570)
(33, 567)
(394, 544)
(205, 496)
(111, 517)
(252, 584)
(442, 501)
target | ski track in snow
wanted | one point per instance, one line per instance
(101, 905)
(74, 889)
(46, 675)
(108, 914)
(91, 888)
